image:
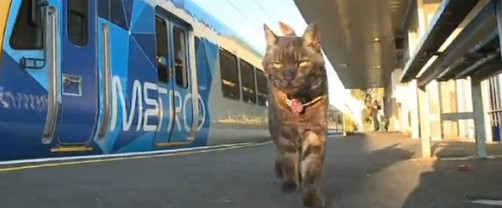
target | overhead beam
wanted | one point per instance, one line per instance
(484, 59)
(449, 15)
(480, 51)
(486, 63)
(490, 68)
(479, 30)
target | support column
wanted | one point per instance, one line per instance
(480, 103)
(425, 130)
(434, 110)
(413, 107)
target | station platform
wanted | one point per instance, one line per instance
(381, 169)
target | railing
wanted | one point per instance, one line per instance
(495, 108)
(54, 76)
(106, 81)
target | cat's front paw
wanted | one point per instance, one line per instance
(290, 186)
(313, 200)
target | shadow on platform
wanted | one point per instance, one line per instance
(456, 183)
(403, 179)
(353, 160)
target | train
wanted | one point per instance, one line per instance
(87, 77)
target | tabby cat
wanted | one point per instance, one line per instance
(298, 105)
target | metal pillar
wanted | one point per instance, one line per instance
(434, 110)
(479, 91)
(425, 128)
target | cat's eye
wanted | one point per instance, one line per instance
(303, 64)
(277, 65)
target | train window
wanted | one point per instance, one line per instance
(162, 53)
(28, 32)
(104, 9)
(115, 11)
(180, 60)
(248, 82)
(229, 75)
(78, 13)
(196, 42)
(262, 87)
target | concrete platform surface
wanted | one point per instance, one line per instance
(372, 170)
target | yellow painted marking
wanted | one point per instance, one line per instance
(55, 164)
(4, 14)
(173, 144)
(72, 149)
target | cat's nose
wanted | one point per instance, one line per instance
(289, 76)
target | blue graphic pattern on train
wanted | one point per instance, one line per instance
(83, 77)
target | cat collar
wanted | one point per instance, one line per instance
(297, 106)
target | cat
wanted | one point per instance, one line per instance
(298, 105)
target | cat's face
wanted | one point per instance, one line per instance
(293, 63)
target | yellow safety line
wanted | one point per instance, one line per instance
(72, 149)
(174, 144)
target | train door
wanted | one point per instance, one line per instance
(165, 84)
(78, 74)
(181, 83)
(176, 91)
(24, 67)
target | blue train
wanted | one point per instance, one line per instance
(88, 77)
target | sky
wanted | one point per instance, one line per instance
(247, 17)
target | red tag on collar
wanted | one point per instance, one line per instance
(296, 106)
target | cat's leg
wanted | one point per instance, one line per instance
(312, 159)
(278, 154)
(274, 130)
(278, 162)
(289, 164)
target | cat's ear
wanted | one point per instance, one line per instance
(311, 37)
(270, 36)
(286, 29)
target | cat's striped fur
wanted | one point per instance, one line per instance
(296, 74)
